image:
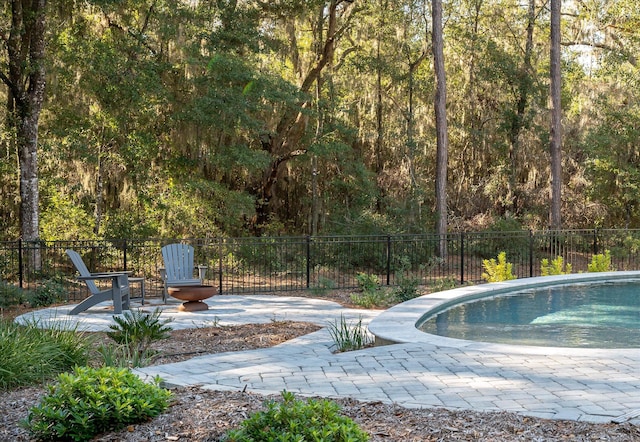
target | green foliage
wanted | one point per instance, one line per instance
(31, 355)
(556, 267)
(371, 294)
(368, 283)
(91, 401)
(323, 286)
(496, 271)
(50, 291)
(293, 420)
(407, 287)
(134, 332)
(10, 295)
(446, 283)
(348, 336)
(601, 263)
(61, 218)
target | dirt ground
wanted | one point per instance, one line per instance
(202, 415)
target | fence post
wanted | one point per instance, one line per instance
(461, 258)
(220, 253)
(124, 252)
(20, 263)
(308, 261)
(530, 253)
(595, 241)
(388, 259)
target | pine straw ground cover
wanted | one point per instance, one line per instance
(202, 415)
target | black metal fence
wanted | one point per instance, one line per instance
(259, 265)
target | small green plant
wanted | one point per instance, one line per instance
(601, 263)
(556, 267)
(446, 283)
(348, 336)
(135, 331)
(91, 401)
(31, 355)
(496, 271)
(10, 295)
(295, 420)
(407, 288)
(323, 286)
(49, 292)
(371, 294)
(368, 283)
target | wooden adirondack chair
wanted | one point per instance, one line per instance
(119, 291)
(179, 268)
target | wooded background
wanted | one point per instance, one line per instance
(247, 117)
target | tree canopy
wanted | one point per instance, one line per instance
(247, 117)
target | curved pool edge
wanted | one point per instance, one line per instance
(399, 323)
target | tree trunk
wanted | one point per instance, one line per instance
(556, 117)
(440, 105)
(25, 81)
(517, 121)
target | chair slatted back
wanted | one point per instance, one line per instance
(77, 261)
(178, 261)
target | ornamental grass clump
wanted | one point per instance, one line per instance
(31, 355)
(349, 336)
(92, 401)
(293, 420)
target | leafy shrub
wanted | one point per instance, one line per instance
(601, 263)
(91, 401)
(349, 336)
(368, 283)
(296, 420)
(10, 295)
(497, 271)
(135, 331)
(407, 288)
(556, 267)
(31, 355)
(372, 294)
(49, 292)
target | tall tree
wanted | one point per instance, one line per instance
(556, 117)
(25, 81)
(442, 141)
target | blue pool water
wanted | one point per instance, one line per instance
(603, 315)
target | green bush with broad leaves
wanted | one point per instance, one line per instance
(555, 267)
(293, 420)
(601, 263)
(90, 401)
(496, 271)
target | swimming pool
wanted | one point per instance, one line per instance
(587, 315)
(400, 323)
